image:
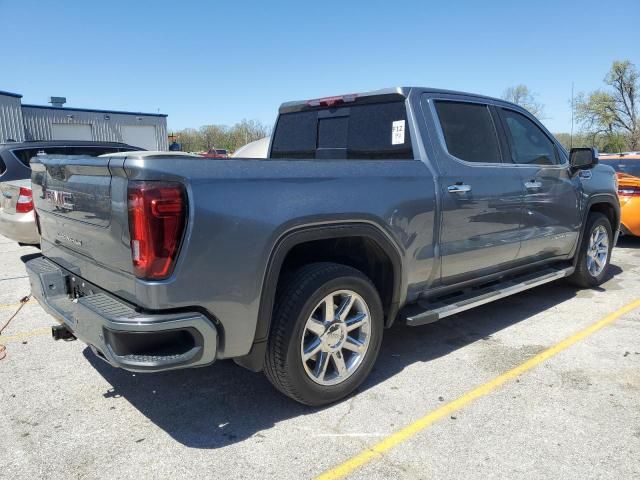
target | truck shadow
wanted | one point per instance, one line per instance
(216, 406)
(628, 242)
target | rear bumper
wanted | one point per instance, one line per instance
(19, 227)
(120, 335)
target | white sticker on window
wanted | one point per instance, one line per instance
(397, 132)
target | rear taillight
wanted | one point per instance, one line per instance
(25, 201)
(629, 191)
(157, 214)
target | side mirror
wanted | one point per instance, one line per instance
(583, 158)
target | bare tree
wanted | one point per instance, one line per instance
(614, 111)
(213, 135)
(521, 95)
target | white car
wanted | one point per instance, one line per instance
(257, 149)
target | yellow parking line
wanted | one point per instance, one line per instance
(22, 335)
(9, 305)
(416, 427)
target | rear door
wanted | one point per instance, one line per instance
(551, 215)
(481, 196)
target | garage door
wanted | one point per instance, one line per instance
(143, 136)
(69, 131)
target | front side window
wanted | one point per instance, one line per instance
(529, 144)
(469, 131)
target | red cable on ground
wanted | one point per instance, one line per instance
(23, 302)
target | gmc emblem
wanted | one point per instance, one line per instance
(60, 199)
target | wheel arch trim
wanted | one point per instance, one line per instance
(602, 198)
(306, 233)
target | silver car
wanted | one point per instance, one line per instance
(17, 217)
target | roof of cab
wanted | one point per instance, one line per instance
(297, 105)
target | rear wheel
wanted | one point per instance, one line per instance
(325, 335)
(594, 253)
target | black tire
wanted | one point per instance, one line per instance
(582, 277)
(296, 302)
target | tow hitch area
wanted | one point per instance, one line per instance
(61, 332)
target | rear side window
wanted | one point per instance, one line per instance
(3, 167)
(25, 155)
(469, 131)
(529, 144)
(365, 132)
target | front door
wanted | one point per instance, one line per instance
(551, 212)
(481, 196)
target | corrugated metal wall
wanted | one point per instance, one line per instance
(105, 126)
(10, 118)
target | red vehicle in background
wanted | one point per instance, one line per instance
(215, 153)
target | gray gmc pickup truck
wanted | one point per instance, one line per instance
(398, 205)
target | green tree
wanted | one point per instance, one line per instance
(221, 136)
(613, 113)
(521, 95)
(213, 136)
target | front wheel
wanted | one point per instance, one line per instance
(325, 335)
(595, 252)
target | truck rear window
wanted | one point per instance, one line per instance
(364, 132)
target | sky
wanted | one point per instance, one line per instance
(218, 62)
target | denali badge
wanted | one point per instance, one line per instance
(60, 199)
(67, 238)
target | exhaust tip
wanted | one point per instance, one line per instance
(61, 332)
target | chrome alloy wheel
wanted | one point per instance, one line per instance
(598, 251)
(336, 337)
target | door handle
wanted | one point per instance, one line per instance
(459, 188)
(532, 185)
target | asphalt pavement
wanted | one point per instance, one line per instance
(66, 414)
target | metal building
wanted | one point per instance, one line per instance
(11, 126)
(21, 122)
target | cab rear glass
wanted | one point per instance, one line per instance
(359, 132)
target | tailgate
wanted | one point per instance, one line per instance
(82, 209)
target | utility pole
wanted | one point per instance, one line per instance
(572, 111)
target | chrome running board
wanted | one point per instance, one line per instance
(433, 311)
